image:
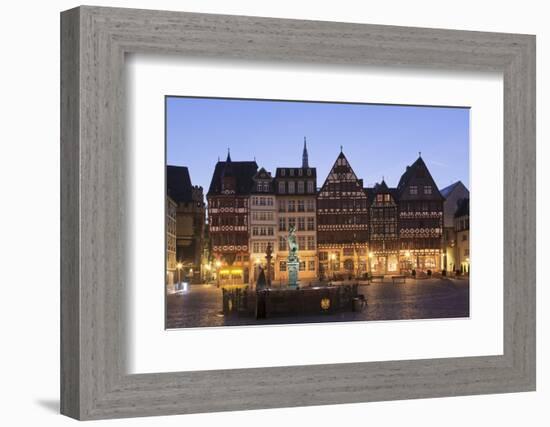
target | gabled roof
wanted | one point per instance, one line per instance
(338, 170)
(449, 189)
(242, 171)
(410, 171)
(178, 184)
(381, 187)
(418, 170)
(463, 208)
(262, 174)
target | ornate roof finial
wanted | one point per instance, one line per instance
(341, 148)
(228, 155)
(420, 154)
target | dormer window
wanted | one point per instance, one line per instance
(309, 172)
(283, 172)
(291, 172)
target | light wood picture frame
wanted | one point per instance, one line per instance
(94, 379)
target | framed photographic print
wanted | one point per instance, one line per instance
(262, 213)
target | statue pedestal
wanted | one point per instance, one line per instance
(293, 267)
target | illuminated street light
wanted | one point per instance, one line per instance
(218, 265)
(332, 258)
(179, 266)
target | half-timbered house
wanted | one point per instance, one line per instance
(384, 236)
(342, 222)
(228, 216)
(420, 219)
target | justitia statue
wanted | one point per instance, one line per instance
(293, 263)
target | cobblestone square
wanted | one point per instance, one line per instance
(201, 305)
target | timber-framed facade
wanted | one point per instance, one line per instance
(342, 222)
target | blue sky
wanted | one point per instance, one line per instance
(378, 140)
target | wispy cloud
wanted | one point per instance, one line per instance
(436, 163)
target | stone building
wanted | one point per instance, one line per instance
(453, 195)
(171, 274)
(342, 222)
(420, 221)
(462, 229)
(190, 220)
(228, 217)
(384, 236)
(296, 189)
(262, 223)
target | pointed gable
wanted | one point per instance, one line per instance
(342, 178)
(381, 193)
(262, 174)
(263, 182)
(414, 180)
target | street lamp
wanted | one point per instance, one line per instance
(370, 261)
(179, 266)
(218, 265)
(206, 277)
(332, 258)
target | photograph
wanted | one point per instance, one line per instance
(285, 212)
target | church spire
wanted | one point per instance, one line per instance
(305, 163)
(228, 156)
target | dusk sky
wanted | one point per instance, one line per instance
(378, 140)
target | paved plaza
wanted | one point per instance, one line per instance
(201, 305)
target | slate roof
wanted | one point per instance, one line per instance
(381, 187)
(178, 184)
(411, 173)
(449, 189)
(262, 174)
(463, 208)
(243, 172)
